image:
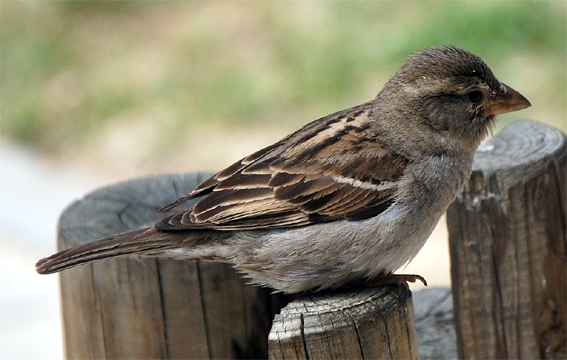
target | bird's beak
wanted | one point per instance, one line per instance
(507, 100)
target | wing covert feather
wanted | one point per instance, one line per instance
(320, 173)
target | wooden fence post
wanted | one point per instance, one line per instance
(508, 247)
(148, 308)
(374, 323)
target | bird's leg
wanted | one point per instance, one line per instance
(382, 280)
(392, 279)
(397, 279)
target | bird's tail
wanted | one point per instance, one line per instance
(130, 242)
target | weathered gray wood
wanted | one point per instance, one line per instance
(434, 324)
(508, 247)
(355, 324)
(135, 307)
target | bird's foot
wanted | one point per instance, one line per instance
(395, 279)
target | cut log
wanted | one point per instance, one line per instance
(508, 247)
(375, 323)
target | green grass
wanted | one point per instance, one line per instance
(70, 69)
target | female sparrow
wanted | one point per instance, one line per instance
(348, 198)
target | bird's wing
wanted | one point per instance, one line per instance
(331, 169)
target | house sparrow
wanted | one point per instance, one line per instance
(348, 198)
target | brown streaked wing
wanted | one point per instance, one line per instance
(265, 214)
(337, 200)
(229, 198)
(207, 186)
(333, 168)
(255, 160)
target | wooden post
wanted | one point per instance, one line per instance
(508, 247)
(375, 323)
(148, 308)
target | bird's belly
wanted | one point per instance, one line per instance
(333, 254)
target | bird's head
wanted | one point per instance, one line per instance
(454, 92)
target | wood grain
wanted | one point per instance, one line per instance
(355, 324)
(140, 307)
(508, 247)
(434, 324)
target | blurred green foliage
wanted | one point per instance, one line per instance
(68, 68)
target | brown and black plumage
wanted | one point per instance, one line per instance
(352, 196)
(300, 180)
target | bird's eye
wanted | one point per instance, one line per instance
(474, 95)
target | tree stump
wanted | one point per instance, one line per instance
(508, 247)
(372, 323)
(148, 308)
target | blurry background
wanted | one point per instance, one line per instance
(94, 92)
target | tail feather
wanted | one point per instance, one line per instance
(130, 242)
